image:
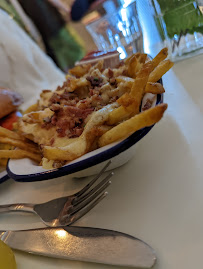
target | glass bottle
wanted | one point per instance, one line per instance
(180, 23)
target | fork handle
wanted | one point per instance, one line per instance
(17, 207)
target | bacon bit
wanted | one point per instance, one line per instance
(61, 132)
(52, 141)
(54, 120)
(45, 126)
(125, 73)
(91, 92)
(66, 98)
(95, 81)
(110, 73)
(69, 120)
(55, 98)
(148, 104)
(41, 146)
(77, 132)
(83, 101)
(55, 107)
(94, 92)
(112, 81)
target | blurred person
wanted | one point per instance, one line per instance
(79, 8)
(51, 18)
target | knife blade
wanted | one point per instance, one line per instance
(83, 244)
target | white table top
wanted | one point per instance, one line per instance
(157, 196)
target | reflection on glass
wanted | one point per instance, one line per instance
(118, 30)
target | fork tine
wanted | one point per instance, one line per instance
(82, 212)
(84, 203)
(78, 194)
(81, 198)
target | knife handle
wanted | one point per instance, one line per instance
(17, 207)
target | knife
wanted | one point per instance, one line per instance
(83, 244)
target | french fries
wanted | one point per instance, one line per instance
(138, 88)
(94, 107)
(160, 70)
(151, 87)
(19, 144)
(68, 153)
(19, 154)
(160, 57)
(7, 133)
(135, 63)
(155, 88)
(130, 103)
(10, 139)
(126, 128)
(80, 70)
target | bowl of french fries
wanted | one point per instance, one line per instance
(96, 115)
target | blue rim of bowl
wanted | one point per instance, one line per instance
(89, 162)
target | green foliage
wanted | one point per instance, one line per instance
(181, 16)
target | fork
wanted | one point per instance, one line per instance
(66, 210)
